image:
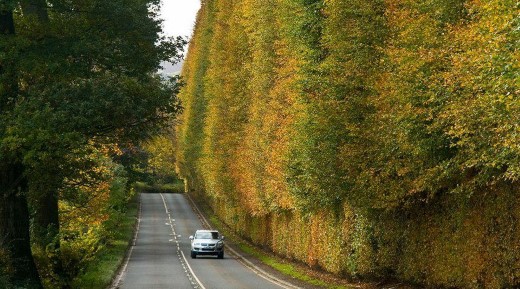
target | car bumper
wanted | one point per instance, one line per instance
(207, 251)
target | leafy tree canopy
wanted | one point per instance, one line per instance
(75, 75)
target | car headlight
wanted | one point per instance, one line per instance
(220, 244)
(196, 244)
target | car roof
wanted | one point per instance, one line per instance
(204, 231)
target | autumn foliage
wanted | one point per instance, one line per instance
(372, 139)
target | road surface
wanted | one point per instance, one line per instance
(160, 258)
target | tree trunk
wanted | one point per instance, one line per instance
(14, 226)
(44, 203)
(46, 228)
(6, 22)
(44, 183)
(14, 212)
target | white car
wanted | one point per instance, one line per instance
(207, 242)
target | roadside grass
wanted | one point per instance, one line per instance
(276, 263)
(101, 270)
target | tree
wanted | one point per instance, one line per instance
(76, 74)
(14, 212)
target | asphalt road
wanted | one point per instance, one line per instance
(160, 257)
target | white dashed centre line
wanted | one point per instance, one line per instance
(184, 262)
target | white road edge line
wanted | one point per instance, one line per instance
(257, 270)
(261, 272)
(122, 271)
(178, 248)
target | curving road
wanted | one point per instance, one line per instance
(160, 258)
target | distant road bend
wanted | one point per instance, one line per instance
(159, 257)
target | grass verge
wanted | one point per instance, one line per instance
(292, 271)
(101, 270)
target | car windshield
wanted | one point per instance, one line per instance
(206, 235)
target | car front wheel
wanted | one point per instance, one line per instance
(193, 255)
(221, 255)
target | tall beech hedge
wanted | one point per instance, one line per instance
(372, 139)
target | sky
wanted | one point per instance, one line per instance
(179, 19)
(179, 16)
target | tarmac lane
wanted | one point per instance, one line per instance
(160, 258)
(154, 263)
